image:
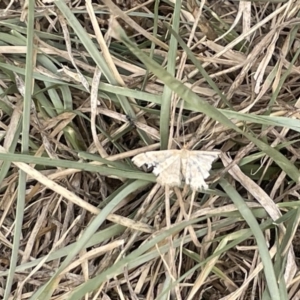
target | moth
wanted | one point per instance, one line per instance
(174, 166)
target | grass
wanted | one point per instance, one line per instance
(85, 87)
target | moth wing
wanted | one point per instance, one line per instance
(198, 166)
(169, 172)
(204, 160)
(160, 160)
(166, 165)
(150, 158)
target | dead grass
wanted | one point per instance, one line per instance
(82, 92)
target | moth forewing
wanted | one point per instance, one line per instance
(210, 155)
(150, 158)
(167, 165)
(171, 175)
(140, 159)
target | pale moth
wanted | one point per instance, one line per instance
(174, 166)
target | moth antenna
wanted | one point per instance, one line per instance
(207, 137)
(177, 143)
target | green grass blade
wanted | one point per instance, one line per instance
(165, 111)
(258, 234)
(25, 148)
